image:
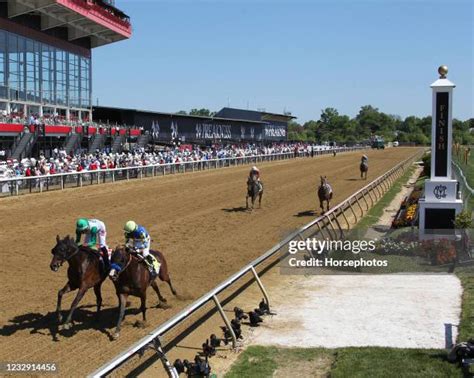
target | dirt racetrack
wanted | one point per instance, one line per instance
(195, 219)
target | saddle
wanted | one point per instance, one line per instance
(151, 262)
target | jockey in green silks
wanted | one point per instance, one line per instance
(95, 236)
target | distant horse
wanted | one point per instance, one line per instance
(131, 276)
(254, 190)
(364, 168)
(324, 193)
(84, 272)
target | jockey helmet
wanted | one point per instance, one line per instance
(254, 168)
(130, 226)
(82, 224)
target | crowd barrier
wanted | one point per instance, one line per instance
(328, 225)
(23, 185)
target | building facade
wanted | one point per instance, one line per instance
(45, 54)
(171, 127)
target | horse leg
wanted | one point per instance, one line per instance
(260, 200)
(247, 202)
(165, 277)
(122, 301)
(98, 296)
(327, 203)
(75, 302)
(161, 299)
(143, 305)
(64, 290)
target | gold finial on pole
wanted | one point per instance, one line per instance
(443, 71)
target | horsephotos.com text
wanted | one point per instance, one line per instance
(324, 247)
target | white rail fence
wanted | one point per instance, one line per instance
(23, 185)
(464, 187)
(327, 225)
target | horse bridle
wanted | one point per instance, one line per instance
(67, 258)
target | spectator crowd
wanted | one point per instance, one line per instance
(61, 162)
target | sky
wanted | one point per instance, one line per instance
(283, 55)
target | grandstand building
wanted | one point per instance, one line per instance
(45, 63)
(45, 53)
(227, 125)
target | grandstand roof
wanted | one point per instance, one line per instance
(255, 115)
(216, 118)
(96, 20)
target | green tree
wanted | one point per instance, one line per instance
(202, 112)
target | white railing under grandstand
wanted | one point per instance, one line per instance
(373, 191)
(22, 185)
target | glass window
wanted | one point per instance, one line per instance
(35, 72)
(3, 64)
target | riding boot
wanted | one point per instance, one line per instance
(151, 266)
(105, 258)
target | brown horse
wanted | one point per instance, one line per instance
(324, 193)
(131, 276)
(364, 168)
(83, 273)
(254, 190)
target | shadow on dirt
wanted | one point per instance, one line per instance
(306, 213)
(47, 324)
(240, 209)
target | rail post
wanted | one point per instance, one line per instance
(226, 321)
(332, 226)
(379, 191)
(360, 207)
(370, 196)
(338, 225)
(345, 218)
(260, 285)
(365, 200)
(321, 230)
(17, 191)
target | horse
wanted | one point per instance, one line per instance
(131, 276)
(364, 168)
(83, 273)
(254, 190)
(324, 193)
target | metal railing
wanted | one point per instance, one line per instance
(464, 187)
(23, 185)
(328, 222)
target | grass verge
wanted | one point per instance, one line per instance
(376, 212)
(260, 362)
(466, 325)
